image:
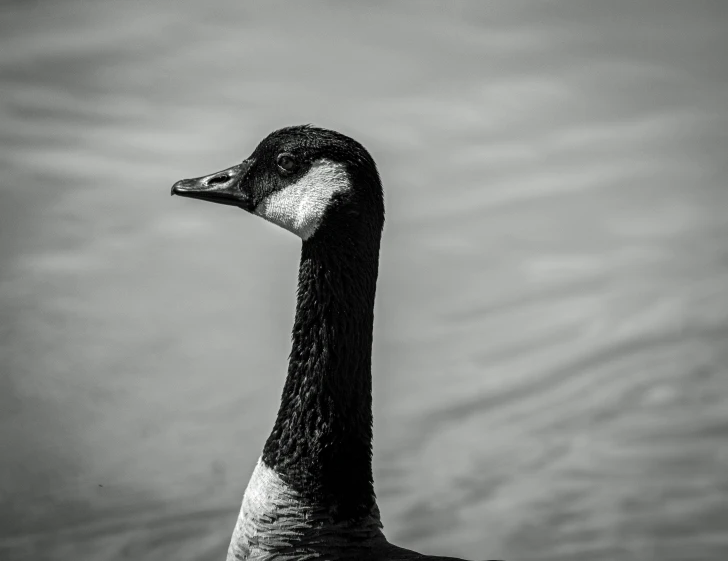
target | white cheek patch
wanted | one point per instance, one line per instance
(300, 207)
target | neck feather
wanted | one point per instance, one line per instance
(312, 489)
(321, 443)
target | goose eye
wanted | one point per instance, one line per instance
(286, 163)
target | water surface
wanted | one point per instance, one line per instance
(551, 339)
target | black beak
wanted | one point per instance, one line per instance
(222, 187)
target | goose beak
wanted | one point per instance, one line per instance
(222, 187)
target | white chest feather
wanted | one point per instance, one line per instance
(276, 523)
(300, 207)
(265, 496)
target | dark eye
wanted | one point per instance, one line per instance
(286, 163)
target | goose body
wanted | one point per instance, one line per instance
(311, 494)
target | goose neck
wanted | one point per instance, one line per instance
(321, 443)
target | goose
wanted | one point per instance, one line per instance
(311, 493)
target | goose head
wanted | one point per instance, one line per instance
(303, 178)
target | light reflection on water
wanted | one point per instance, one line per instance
(550, 353)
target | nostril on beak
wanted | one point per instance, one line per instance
(222, 178)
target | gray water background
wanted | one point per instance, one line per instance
(551, 338)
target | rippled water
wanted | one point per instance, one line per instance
(551, 351)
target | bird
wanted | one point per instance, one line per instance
(311, 494)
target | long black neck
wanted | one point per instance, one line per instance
(321, 443)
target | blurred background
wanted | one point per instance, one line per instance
(551, 338)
